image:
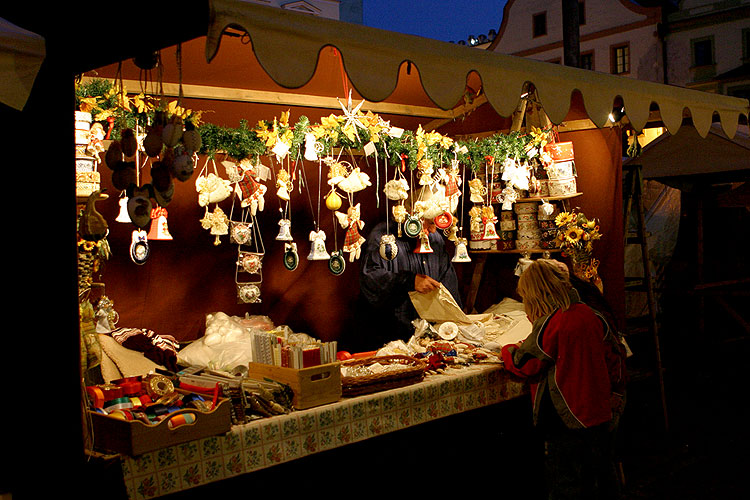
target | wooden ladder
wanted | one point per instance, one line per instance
(633, 200)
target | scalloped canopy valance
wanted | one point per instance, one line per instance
(288, 44)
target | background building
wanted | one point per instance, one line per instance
(342, 10)
(708, 46)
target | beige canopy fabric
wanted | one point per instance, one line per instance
(21, 56)
(287, 45)
(675, 155)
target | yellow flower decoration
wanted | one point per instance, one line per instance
(573, 234)
(88, 103)
(564, 218)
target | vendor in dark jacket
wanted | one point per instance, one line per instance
(386, 309)
(565, 359)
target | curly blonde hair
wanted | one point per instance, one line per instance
(544, 286)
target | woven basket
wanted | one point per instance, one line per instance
(412, 372)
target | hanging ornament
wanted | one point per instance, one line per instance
(444, 220)
(397, 189)
(139, 207)
(217, 222)
(489, 220)
(248, 293)
(477, 190)
(284, 184)
(318, 248)
(210, 187)
(352, 223)
(123, 216)
(388, 247)
(333, 200)
(159, 229)
(354, 182)
(139, 249)
(462, 254)
(337, 263)
(291, 258)
(285, 230)
(312, 147)
(240, 232)
(424, 243)
(413, 226)
(250, 262)
(399, 215)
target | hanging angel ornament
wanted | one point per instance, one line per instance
(399, 215)
(452, 180)
(426, 169)
(217, 222)
(284, 184)
(212, 189)
(507, 197)
(515, 174)
(247, 188)
(475, 219)
(352, 223)
(354, 182)
(337, 171)
(312, 147)
(477, 190)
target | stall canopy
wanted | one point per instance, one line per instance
(674, 159)
(288, 46)
(372, 59)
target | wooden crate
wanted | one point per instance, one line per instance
(314, 386)
(133, 437)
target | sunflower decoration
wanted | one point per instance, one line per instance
(576, 234)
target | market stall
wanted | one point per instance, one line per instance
(460, 93)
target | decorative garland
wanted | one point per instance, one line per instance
(352, 130)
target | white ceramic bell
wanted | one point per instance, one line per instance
(424, 244)
(462, 254)
(318, 246)
(490, 233)
(123, 216)
(285, 230)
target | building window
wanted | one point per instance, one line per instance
(746, 45)
(539, 24)
(703, 51)
(620, 59)
(581, 13)
(587, 60)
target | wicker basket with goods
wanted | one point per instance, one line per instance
(379, 373)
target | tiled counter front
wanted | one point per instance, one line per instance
(272, 441)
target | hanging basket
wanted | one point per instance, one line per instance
(410, 371)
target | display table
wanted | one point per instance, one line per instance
(271, 441)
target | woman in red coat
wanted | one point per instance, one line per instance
(565, 359)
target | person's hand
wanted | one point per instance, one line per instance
(425, 284)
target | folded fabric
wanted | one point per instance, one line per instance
(161, 349)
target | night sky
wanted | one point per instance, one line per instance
(446, 20)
